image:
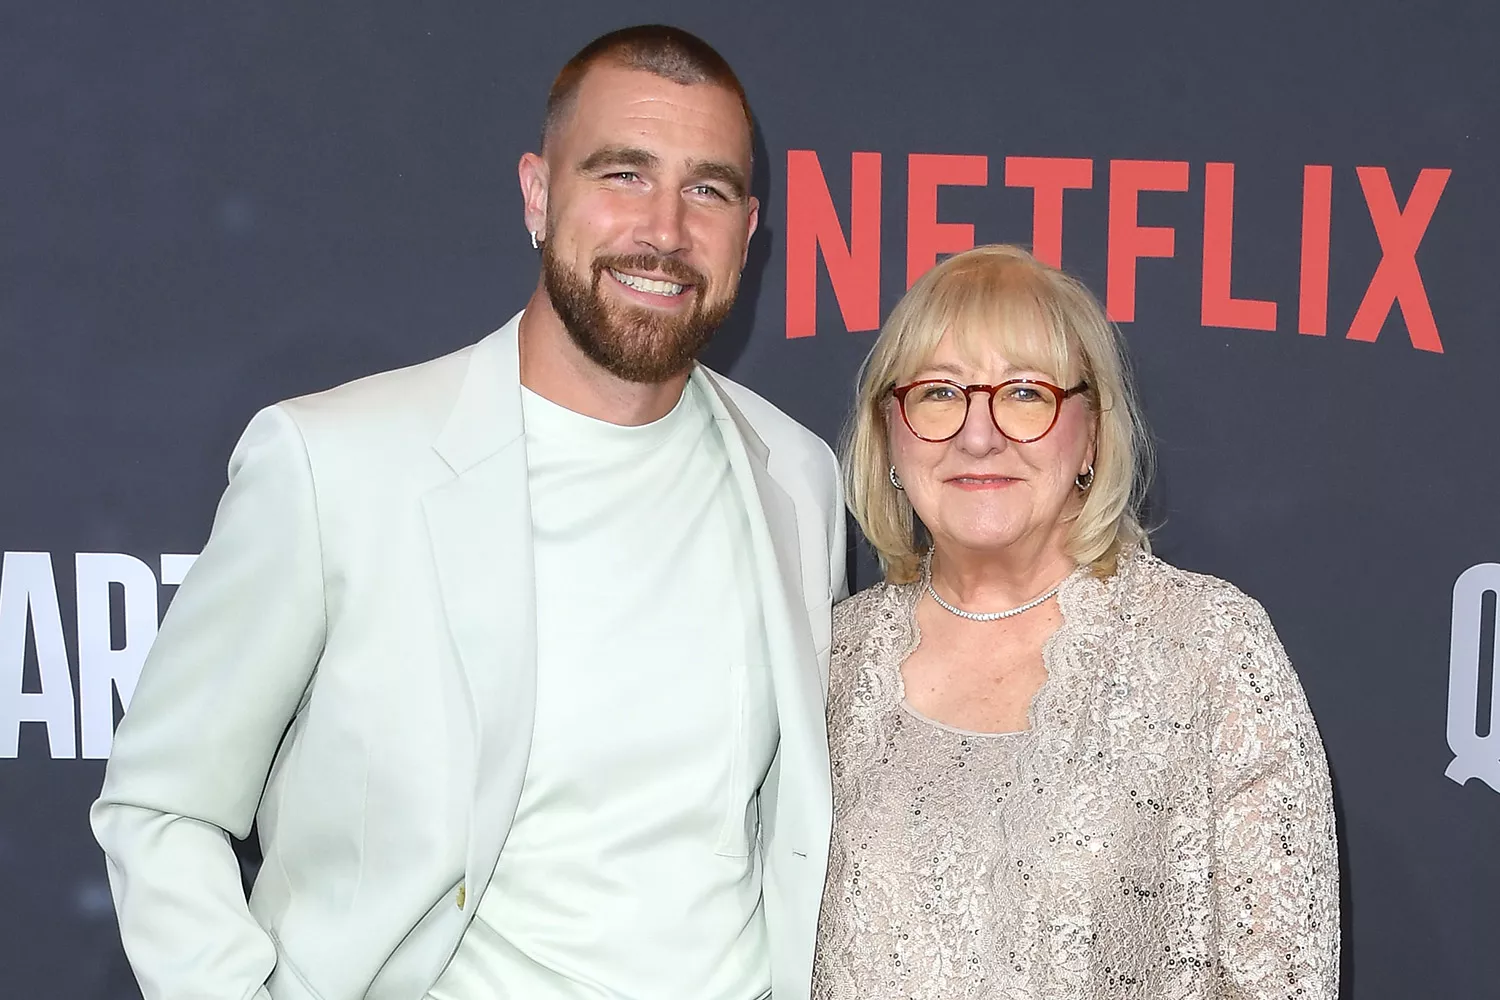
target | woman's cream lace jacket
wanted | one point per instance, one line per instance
(1174, 837)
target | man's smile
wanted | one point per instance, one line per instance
(653, 286)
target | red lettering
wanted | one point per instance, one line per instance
(1220, 308)
(1397, 279)
(926, 237)
(1317, 221)
(1128, 239)
(812, 224)
(1048, 177)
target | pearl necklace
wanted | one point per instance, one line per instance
(991, 616)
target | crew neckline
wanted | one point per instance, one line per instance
(540, 414)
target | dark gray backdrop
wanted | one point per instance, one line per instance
(207, 208)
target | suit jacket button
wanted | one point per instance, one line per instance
(459, 898)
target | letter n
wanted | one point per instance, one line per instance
(812, 225)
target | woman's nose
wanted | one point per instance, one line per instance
(979, 435)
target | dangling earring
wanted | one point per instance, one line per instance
(896, 480)
(1085, 480)
(534, 245)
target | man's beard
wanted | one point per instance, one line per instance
(634, 344)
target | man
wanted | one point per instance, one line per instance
(518, 657)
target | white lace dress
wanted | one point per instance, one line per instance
(1164, 830)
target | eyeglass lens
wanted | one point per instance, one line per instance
(937, 410)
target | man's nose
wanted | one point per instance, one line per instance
(663, 227)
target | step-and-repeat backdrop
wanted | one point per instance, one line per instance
(1290, 209)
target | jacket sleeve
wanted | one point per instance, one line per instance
(234, 657)
(1276, 855)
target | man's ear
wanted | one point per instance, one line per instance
(535, 177)
(750, 230)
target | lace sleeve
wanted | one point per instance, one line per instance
(1276, 857)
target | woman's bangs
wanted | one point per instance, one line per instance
(990, 318)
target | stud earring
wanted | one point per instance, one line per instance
(896, 480)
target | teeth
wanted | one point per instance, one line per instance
(647, 284)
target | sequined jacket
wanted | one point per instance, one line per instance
(1174, 837)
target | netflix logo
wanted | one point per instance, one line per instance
(846, 238)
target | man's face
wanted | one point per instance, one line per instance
(648, 219)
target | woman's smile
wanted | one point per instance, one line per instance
(981, 482)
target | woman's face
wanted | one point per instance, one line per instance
(979, 490)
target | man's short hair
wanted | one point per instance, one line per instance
(660, 49)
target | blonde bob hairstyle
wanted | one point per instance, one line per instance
(1039, 319)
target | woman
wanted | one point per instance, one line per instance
(1062, 768)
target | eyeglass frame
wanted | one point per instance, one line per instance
(1061, 394)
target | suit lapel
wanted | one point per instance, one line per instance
(480, 526)
(802, 778)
